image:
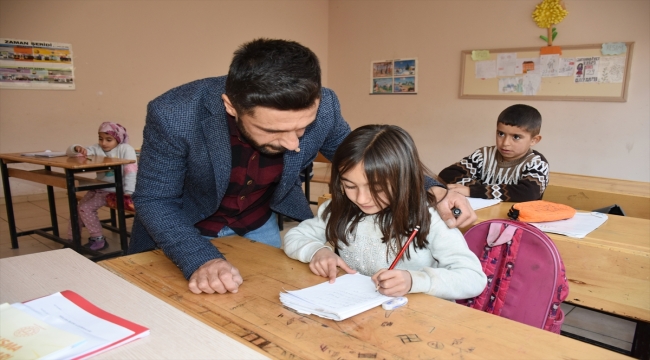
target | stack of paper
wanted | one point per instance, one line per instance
(349, 295)
(76, 329)
(578, 226)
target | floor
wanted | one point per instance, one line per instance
(35, 214)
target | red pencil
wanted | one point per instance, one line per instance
(406, 245)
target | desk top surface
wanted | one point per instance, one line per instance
(427, 327)
(174, 334)
(66, 162)
(620, 233)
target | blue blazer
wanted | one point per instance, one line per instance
(185, 164)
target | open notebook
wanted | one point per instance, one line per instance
(349, 295)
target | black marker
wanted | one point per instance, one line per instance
(456, 212)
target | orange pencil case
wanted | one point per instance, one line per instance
(540, 211)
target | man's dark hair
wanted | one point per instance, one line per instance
(277, 74)
(523, 116)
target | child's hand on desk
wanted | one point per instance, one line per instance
(393, 282)
(216, 275)
(81, 150)
(325, 262)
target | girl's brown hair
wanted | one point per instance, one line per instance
(393, 167)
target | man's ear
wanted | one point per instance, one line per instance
(535, 139)
(229, 108)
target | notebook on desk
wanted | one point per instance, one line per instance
(349, 295)
(46, 153)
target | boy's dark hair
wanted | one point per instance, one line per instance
(393, 169)
(277, 74)
(523, 116)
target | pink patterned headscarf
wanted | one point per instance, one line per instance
(115, 130)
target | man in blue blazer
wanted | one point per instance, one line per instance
(220, 155)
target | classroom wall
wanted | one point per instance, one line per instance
(589, 138)
(128, 52)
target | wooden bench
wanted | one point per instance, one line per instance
(590, 192)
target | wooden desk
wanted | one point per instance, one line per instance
(174, 334)
(427, 327)
(591, 192)
(66, 180)
(608, 270)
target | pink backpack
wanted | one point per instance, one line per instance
(526, 276)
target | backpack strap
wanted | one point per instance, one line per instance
(489, 262)
(507, 269)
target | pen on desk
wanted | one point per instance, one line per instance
(401, 252)
(89, 159)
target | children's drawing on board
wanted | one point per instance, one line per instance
(587, 69)
(611, 69)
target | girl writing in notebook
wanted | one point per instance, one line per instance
(378, 198)
(113, 142)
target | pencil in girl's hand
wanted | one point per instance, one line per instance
(401, 252)
(406, 245)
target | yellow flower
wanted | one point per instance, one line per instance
(549, 13)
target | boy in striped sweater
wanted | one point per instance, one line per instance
(511, 170)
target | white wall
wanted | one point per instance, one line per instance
(590, 138)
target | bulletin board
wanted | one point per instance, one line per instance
(569, 88)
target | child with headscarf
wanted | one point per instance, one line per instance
(113, 142)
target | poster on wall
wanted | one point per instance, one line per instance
(398, 76)
(43, 65)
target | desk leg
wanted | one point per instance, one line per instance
(52, 202)
(9, 205)
(119, 194)
(641, 342)
(74, 211)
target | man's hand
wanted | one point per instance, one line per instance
(324, 263)
(393, 282)
(453, 200)
(461, 189)
(216, 275)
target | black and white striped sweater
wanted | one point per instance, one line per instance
(488, 176)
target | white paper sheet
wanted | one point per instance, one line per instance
(549, 65)
(477, 203)
(578, 226)
(485, 69)
(532, 83)
(506, 64)
(349, 295)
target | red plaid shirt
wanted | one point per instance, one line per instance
(253, 178)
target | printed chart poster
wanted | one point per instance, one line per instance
(27, 64)
(397, 76)
(586, 70)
